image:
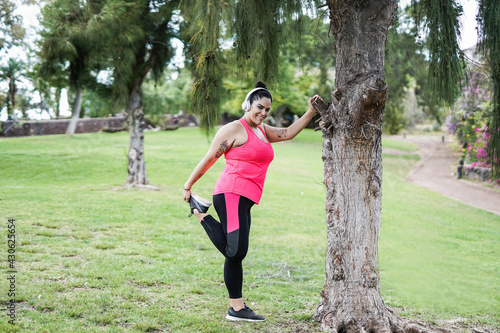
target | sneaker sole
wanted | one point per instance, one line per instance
(228, 317)
(204, 202)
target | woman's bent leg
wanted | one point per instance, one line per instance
(231, 236)
(215, 232)
(238, 231)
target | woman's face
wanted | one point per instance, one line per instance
(259, 110)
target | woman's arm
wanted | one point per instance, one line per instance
(222, 142)
(275, 134)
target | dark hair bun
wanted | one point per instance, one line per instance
(260, 84)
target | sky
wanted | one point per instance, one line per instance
(30, 21)
(469, 32)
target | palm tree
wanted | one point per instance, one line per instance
(12, 72)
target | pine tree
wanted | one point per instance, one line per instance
(351, 126)
(129, 38)
(138, 36)
(68, 38)
(12, 72)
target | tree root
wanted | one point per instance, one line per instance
(387, 322)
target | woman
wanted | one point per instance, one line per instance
(246, 144)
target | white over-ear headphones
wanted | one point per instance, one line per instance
(246, 104)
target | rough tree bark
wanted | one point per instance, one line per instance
(135, 118)
(352, 157)
(13, 92)
(77, 106)
(58, 102)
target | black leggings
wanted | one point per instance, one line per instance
(230, 236)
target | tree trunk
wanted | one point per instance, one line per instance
(278, 115)
(12, 92)
(58, 102)
(352, 158)
(135, 117)
(76, 112)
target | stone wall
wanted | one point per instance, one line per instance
(49, 127)
(477, 173)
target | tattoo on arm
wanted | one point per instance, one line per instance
(222, 149)
(280, 133)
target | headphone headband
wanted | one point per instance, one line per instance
(246, 104)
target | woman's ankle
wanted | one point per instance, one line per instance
(236, 303)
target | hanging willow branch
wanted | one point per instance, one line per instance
(447, 62)
(258, 36)
(489, 44)
(205, 93)
(255, 26)
(258, 27)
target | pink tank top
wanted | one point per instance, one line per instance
(246, 167)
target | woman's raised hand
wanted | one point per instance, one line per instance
(311, 107)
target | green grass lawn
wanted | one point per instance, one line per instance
(92, 257)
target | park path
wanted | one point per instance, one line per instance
(436, 168)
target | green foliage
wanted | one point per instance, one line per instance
(305, 68)
(70, 43)
(258, 36)
(307, 57)
(127, 38)
(256, 30)
(155, 120)
(393, 120)
(405, 67)
(139, 35)
(433, 106)
(168, 94)
(24, 102)
(440, 18)
(12, 72)
(298, 80)
(48, 86)
(11, 29)
(235, 90)
(3, 99)
(403, 58)
(489, 41)
(97, 104)
(206, 61)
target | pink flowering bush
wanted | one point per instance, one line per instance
(476, 153)
(469, 118)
